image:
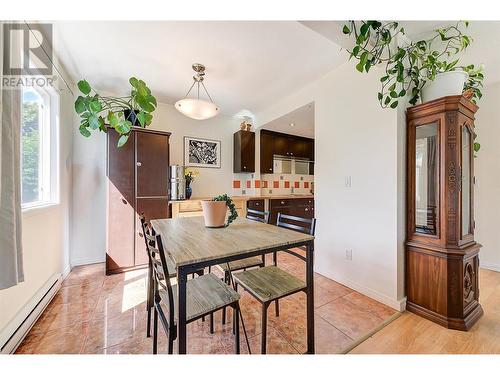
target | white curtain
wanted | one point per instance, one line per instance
(11, 256)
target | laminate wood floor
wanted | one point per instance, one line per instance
(411, 334)
(98, 314)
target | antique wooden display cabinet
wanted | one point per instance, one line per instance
(441, 253)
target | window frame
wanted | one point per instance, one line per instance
(49, 149)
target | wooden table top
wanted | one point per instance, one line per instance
(188, 241)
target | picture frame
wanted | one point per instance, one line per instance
(202, 152)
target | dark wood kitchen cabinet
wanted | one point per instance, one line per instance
(244, 152)
(137, 179)
(287, 145)
(302, 207)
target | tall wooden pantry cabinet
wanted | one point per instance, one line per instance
(137, 182)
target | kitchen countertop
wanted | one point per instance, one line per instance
(253, 197)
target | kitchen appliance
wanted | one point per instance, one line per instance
(291, 165)
(177, 183)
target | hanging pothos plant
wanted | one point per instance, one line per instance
(120, 113)
(409, 67)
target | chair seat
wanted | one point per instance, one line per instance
(205, 294)
(241, 264)
(269, 283)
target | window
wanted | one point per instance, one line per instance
(38, 147)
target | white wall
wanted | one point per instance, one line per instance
(487, 171)
(88, 235)
(45, 238)
(354, 137)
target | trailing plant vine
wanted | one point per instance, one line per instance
(233, 214)
(98, 112)
(410, 66)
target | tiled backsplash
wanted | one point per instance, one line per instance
(272, 184)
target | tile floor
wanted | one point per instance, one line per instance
(98, 314)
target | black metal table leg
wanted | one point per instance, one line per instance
(310, 296)
(181, 311)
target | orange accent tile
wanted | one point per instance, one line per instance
(236, 184)
(296, 184)
(287, 184)
(306, 184)
(249, 184)
(276, 184)
(264, 183)
(257, 184)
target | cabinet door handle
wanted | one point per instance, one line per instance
(139, 164)
(244, 167)
(124, 201)
(256, 204)
(306, 209)
(282, 202)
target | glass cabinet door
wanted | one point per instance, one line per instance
(466, 181)
(426, 179)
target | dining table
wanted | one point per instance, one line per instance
(193, 246)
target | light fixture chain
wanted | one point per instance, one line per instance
(185, 96)
(207, 92)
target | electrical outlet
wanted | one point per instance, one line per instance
(348, 254)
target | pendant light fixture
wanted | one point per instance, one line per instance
(196, 108)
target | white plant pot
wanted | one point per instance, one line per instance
(445, 84)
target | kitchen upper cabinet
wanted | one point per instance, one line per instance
(266, 152)
(244, 152)
(287, 145)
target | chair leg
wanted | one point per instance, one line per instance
(149, 302)
(155, 332)
(226, 281)
(277, 307)
(170, 341)
(263, 342)
(211, 323)
(148, 324)
(236, 313)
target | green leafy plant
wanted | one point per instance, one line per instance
(100, 112)
(233, 214)
(409, 67)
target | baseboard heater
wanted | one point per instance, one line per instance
(32, 316)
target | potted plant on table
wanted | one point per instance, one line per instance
(119, 113)
(190, 175)
(215, 210)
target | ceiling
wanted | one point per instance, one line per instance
(302, 119)
(249, 64)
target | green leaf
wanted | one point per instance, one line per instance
(84, 131)
(394, 104)
(94, 122)
(80, 105)
(141, 116)
(387, 100)
(477, 146)
(84, 87)
(112, 119)
(134, 81)
(355, 51)
(95, 106)
(346, 30)
(384, 78)
(360, 66)
(393, 94)
(380, 96)
(402, 93)
(122, 140)
(123, 127)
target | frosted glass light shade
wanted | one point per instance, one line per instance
(197, 109)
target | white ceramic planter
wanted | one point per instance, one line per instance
(214, 213)
(445, 84)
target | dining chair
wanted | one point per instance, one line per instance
(243, 264)
(149, 286)
(270, 283)
(205, 295)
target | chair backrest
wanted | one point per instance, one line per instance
(262, 216)
(300, 224)
(159, 267)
